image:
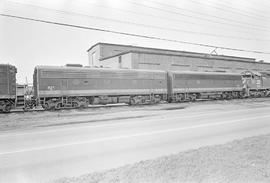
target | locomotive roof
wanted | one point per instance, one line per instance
(10, 66)
(6, 65)
(95, 68)
(206, 73)
(137, 70)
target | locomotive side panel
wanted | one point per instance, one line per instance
(92, 82)
(265, 80)
(195, 85)
(56, 85)
(35, 83)
(7, 81)
(4, 88)
(204, 82)
(7, 87)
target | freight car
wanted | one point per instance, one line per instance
(183, 86)
(72, 87)
(7, 87)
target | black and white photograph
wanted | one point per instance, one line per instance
(134, 91)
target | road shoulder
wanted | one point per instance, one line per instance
(245, 160)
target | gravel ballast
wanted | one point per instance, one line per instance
(246, 160)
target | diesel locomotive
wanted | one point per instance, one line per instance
(256, 84)
(58, 87)
(183, 86)
(72, 87)
(65, 87)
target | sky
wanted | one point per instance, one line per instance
(241, 24)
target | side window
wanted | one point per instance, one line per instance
(134, 82)
(76, 82)
(107, 81)
(64, 84)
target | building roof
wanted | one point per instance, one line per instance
(169, 50)
(208, 56)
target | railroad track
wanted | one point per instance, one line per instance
(40, 109)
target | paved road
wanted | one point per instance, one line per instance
(71, 150)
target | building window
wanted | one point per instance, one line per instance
(120, 61)
(94, 59)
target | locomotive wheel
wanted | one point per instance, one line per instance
(143, 101)
(132, 101)
(46, 106)
(82, 106)
(58, 106)
(7, 108)
(223, 96)
(192, 97)
(75, 105)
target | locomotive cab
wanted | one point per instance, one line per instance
(252, 84)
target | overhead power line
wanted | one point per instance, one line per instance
(147, 14)
(258, 13)
(130, 34)
(261, 28)
(223, 9)
(146, 25)
(200, 13)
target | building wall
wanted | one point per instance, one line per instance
(111, 62)
(122, 61)
(103, 50)
(126, 61)
(94, 55)
(137, 60)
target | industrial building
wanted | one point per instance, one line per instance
(134, 57)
